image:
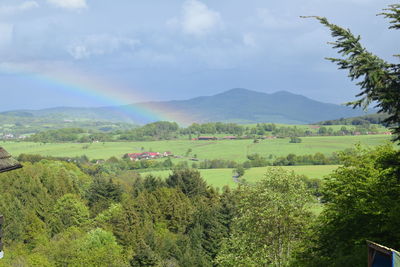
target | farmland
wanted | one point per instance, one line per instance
(222, 177)
(222, 149)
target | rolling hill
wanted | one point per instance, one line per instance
(235, 105)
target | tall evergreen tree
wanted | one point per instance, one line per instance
(189, 181)
(378, 79)
(102, 193)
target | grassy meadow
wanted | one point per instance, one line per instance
(222, 177)
(311, 171)
(219, 178)
(221, 149)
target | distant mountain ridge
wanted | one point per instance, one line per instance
(246, 106)
(235, 105)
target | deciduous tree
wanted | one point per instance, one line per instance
(272, 216)
(362, 203)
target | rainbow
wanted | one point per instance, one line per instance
(129, 103)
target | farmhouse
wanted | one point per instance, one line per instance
(151, 155)
(8, 136)
(148, 155)
(167, 153)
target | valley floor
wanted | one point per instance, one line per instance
(222, 149)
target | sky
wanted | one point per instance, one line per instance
(100, 52)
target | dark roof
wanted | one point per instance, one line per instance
(7, 163)
(380, 248)
(379, 255)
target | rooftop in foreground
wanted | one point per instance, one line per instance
(7, 163)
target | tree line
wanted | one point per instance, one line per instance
(170, 131)
(378, 118)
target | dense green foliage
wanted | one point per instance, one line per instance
(161, 130)
(61, 135)
(360, 120)
(56, 215)
(214, 128)
(272, 220)
(362, 203)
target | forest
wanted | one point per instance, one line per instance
(58, 214)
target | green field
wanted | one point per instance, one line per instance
(222, 149)
(214, 177)
(311, 171)
(221, 177)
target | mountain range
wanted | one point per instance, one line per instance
(235, 105)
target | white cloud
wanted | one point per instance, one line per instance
(69, 4)
(198, 19)
(6, 33)
(276, 21)
(97, 45)
(18, 8)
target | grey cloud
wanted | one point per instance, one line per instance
(197, 19)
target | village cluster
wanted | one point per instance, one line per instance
(149, 155)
